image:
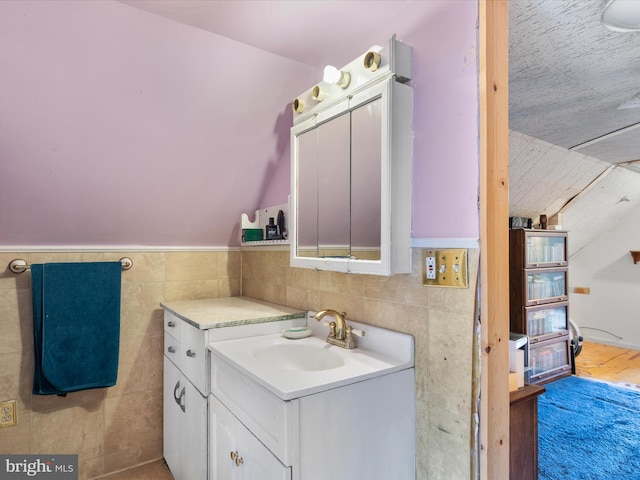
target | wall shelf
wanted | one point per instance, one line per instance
(262, 217)
(635, 254)
(262, 243)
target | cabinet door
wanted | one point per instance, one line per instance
(172, 418)
(194, 434)
(548, 320)
(259, 462)
(222, 442)
(546, 285)
(549, 360)
(236, 454)
(545, 248)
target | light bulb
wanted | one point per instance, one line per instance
(331, 74)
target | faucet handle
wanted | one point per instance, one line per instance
(348, 338)
(357, 331)
(332, 328)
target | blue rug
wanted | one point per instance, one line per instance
(588, 430)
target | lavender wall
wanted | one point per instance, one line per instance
(446, 165)
(118, 127)
(121, 127)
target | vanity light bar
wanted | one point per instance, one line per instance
(377, 64)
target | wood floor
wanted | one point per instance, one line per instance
(606, 362)
(157, 470)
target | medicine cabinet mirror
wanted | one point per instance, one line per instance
(351, 169)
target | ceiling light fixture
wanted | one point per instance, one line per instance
(333, 75)
(621, 15)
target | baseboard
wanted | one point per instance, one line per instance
(608, 341)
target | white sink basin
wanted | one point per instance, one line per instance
(302, 356)
(295, 368)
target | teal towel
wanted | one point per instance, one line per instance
(76, 320)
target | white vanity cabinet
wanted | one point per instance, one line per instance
(185, 399)
(361, 431)
(188, 327)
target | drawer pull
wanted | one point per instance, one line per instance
(171, 324)
(171, 349)
(191, 353)
(179, 398)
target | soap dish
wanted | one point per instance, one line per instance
(297, 332)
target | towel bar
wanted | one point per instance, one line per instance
(19, 266)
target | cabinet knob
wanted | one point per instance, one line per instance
(171, 324)
(191, 353)
(171, 349)
(235, 456)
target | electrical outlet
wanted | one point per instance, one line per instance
(430, 265)
(8, 416)
(445, 268)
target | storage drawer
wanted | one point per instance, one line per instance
(548, 360)
(195, 363)
(173, 326)
(267, 416)
(173, 349)
(186, 346)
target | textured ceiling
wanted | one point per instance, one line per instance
(568, 75)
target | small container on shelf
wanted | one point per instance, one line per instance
(252, 234)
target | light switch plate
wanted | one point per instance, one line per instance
(451, 268)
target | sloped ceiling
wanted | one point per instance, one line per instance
(313, 32)
(570, 143)
(568, 76)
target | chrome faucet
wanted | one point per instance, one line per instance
(340, 333)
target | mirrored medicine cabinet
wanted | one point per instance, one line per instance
(351, 152)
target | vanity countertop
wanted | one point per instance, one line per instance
(230, 311)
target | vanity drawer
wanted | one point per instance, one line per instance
(172, 349)
(195, 364)
(173, 326)
(186, 346)
(268, 417)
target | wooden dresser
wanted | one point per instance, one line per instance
(523, 432)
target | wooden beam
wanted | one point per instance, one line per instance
(494, 238)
